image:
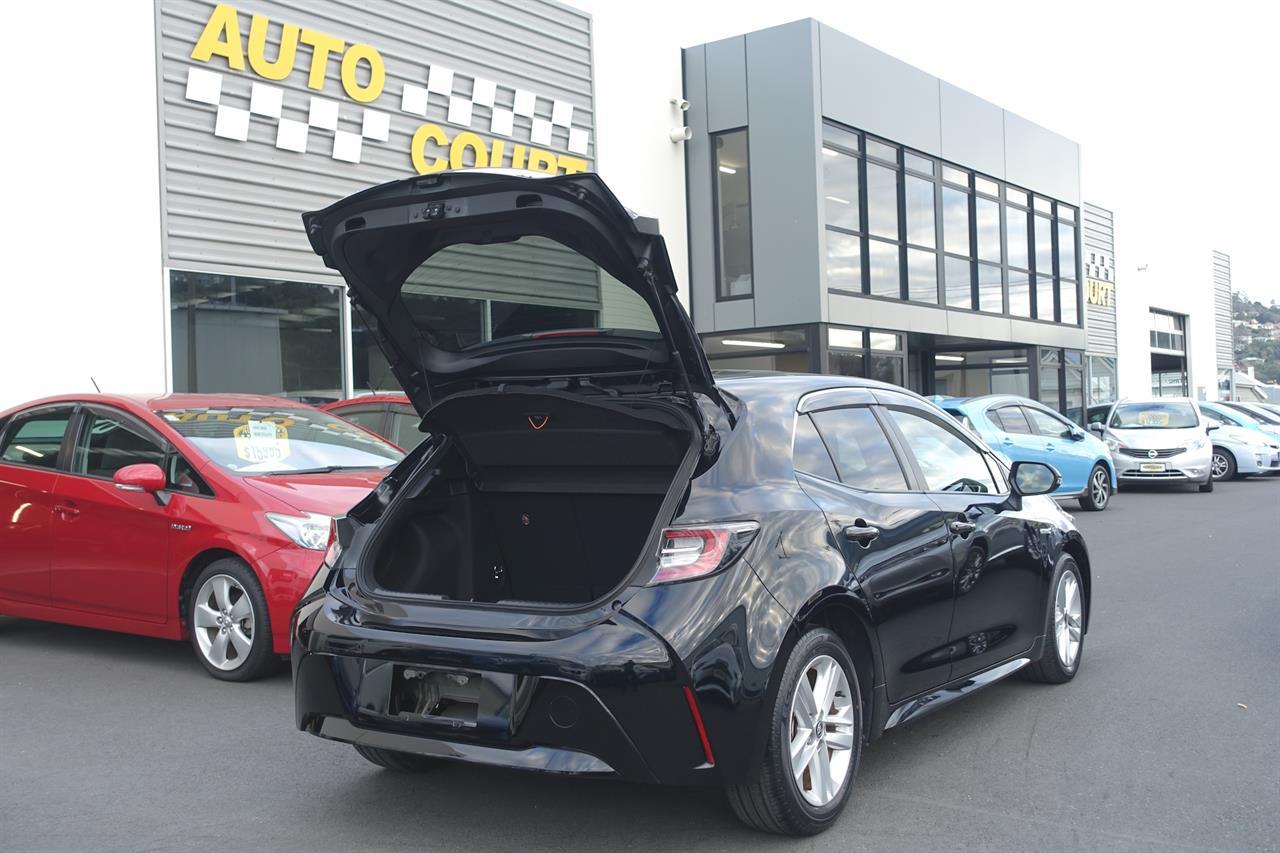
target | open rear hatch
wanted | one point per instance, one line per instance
(534, 322)
(484, 276)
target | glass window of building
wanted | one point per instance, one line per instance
(1044, 297)
(974, 373)
(252, 335)
(955, 221)
(952, 175)
(841, 137)
(733, 214)
(886, 275)
(1068, 302)
(958, 283)
(1016, 228)
(1013, 195)
(1044, 245)
(990, 289)
(917, 163)
(922, 276)
(759, 349)
(840, 189)
(986, 186)
(882, 151)
(1019, 294)
(844, 261)
(882, 201)
(1103, 377)
(920, 202)
(987, 227)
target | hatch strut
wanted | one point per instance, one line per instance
(710, 441)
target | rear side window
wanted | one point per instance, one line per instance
(404, 429)
(1010, 419)
(948, 462)
(810, 454)
(370, 419)
(35, 439)
(863, 456)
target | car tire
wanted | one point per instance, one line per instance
(1060, 660)
(774, 799)
(405, 762)
(1097, 490)
(1222, 465)
(226, 608)
(1207, 485)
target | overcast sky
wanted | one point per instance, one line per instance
(1174, 105)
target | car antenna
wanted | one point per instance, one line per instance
(95, 384)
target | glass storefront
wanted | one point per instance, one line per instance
(786, 350)
(259, 336)
(977, 372)
(1168, 355)
(1103, 380)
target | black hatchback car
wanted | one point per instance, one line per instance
(608, 561)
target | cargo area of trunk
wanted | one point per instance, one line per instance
(543, 498)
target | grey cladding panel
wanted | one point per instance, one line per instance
(698, 183)
(972, 131)
(872, 91)
(234, 206)
(785, 210)
(726, 68)
(1041, 160)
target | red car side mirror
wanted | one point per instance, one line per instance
(143, 477)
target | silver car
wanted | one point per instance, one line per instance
(1163, 440)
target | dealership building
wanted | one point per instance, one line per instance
(902, 229)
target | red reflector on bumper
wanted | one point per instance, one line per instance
(697, 722)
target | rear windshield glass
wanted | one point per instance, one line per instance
(280, 441)
(468, 294)
(1154, 416)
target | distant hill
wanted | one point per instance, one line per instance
(1257, 336)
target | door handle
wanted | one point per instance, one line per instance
(1007, 440)
(862, 533)
(66, 510)
(1050, 447)
(963, 528)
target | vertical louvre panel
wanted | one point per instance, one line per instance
(1222, 310)
(1099, 266)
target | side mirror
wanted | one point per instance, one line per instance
(1075, 434)
(1212, 426)
(1096, 426)
(1034, 478)
(143, 477)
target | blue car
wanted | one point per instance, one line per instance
(1023, 430)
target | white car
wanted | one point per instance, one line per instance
(1240, 452)
(1161, 440)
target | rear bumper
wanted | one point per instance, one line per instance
(605, 701)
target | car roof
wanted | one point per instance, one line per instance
(157, 402)
(763, 383)
(988, 400)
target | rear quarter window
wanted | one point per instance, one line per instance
(810, 454)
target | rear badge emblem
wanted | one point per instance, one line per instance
(538, 421)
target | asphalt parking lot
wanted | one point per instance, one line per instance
(112, 742)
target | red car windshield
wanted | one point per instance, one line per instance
(280, 441)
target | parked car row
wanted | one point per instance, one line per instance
(1164, 441)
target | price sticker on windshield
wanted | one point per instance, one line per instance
(1153, 419)
(257, 441)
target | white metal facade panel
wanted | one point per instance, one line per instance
(1222, 313)
(233, 180)
(1099, 264)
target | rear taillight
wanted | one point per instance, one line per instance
(334, 548)
(693, 552)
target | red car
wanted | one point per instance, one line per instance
(192, 516)
(391, 416)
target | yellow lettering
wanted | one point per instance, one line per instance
(517, 156)
(221, 37)
(283, 64)
(497, 150)
(542, 161)
(321, 46)
(461, 143)
(424, 134)
(572, 165)
(377, 73)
